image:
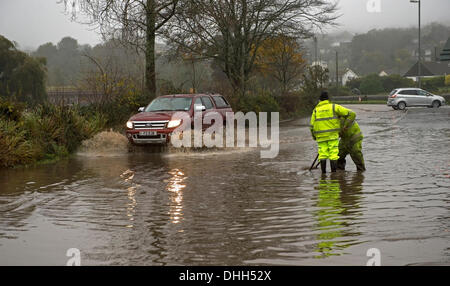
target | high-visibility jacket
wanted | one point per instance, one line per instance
(352, 133)
(325, 120)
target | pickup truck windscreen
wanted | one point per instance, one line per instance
(170, 104)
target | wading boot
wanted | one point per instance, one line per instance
(341, 164)
(323, 166)
(333, 165)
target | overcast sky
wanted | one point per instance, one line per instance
(35, 22)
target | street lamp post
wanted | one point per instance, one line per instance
(420, 54)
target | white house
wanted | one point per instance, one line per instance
(323, 64)
(348, 75)
(383, 73)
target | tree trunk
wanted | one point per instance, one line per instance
(150, 78)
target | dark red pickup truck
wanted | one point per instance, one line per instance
(154, 124)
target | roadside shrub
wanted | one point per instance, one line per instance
(11, 110)
(374, 84)
(116, 112)
(341, 91)
(262, 102)
(56, 131)
(433, 84)
(394, 81)
(371, 84)
(354, 83)
(447, 80)
(65, 126)
(289, 103)
(15, 149)
(47, 132)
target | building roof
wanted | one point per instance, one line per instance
(350, 72)
(429, 69)
(445, 54)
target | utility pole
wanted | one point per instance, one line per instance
(315, 49)
(419, 63)
(337, 73)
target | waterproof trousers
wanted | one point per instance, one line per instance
(355, 152)
(329, 150)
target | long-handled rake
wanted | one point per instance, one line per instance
(314, 162)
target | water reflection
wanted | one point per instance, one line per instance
(128, 176)
(131, 205)
(338, 203)
(175, 187)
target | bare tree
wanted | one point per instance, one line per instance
(132, 22)
(232, 31)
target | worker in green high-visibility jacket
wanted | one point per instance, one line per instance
(325, 127)
(350, 144)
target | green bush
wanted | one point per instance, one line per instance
(289, 103)
(47, 132)
(65, 126)
(11, 110)
(394, 81)
(433, 84)
(374, 84)
(15, 148)
(354, 83)
(262, 102)
(447, 80)
(341, 91)
(116, 112)
(371, 84)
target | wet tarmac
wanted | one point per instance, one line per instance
(231, 207)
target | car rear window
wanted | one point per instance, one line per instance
(207, 102)
(220, 101)
(393, 92)
(409, 92)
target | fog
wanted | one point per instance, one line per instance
(33, 22)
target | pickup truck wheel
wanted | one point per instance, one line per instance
(401, 105)
(436, 104)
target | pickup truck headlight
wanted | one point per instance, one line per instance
(130, 125)
(174, 123)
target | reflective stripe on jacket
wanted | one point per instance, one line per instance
(325, 120)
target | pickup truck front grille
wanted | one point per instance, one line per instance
(150, 124)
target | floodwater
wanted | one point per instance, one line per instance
(234, 208)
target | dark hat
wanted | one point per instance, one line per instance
(323, 96)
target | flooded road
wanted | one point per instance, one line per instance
(234, 208)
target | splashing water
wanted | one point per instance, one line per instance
(106, 143)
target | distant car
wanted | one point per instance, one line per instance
(154, 123)
(401, 98)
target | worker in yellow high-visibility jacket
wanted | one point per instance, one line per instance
(325, 126)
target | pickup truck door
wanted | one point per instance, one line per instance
(222, 106)
(198, 102)
(209, 107)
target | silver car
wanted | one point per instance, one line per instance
(400, 98)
